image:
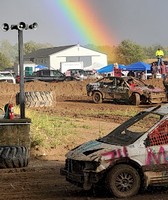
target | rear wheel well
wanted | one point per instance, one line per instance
(97, 96)
(99, 92)
(135, 98)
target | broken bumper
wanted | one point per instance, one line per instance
(158, 98)
(84, 180)
(77, 179)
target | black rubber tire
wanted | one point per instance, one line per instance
(97, 97)
(135, 99)
(123, 181)
(13, 157)
(37, 99)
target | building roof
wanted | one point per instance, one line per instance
(47, 51)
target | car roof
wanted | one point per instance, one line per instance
(160, 109)
(75, 69)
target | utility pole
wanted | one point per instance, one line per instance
(20, 27)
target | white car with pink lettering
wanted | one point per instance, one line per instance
(131, 157)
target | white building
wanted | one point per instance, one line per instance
(28, 66)
(55, 56)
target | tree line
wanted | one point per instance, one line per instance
(126, 52)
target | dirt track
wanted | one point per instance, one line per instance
(41, 180)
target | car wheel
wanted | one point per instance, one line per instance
(97, 97)
(13, 157)
(135, 99)
(123, 181)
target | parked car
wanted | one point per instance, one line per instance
(46, 75)
(118, 89)
(131, 157)
(77, 74)
(7, 76)
(93, 74)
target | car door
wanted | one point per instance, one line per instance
(107, 87)
(157, 144)
(121, 89)
(156, 149)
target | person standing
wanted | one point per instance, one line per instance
(117, 70)
(154, 69)
(159, 55)
(163, 70)
(142, 76)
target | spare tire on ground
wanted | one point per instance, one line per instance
(13, 156)
(37, 99)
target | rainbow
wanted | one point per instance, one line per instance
(85, 21)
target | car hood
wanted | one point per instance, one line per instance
(147, 89)
(6, 77)
(91, 150)
(154, 89)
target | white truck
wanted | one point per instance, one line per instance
(70, 65)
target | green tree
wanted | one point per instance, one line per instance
(33, 46)
(4, 62)
(129, 52)
(8, 50)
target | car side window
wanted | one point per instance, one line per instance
(124, 84)
(159, 135)
(45, 73)
(120, 82)
(110, 83)
(55, 73)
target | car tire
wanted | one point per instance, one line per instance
(37, 99)
(123, 181)
(135, 99)
(13, 157)
(97, 97)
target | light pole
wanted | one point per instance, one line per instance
(20, 27)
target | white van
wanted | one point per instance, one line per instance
(7, 76)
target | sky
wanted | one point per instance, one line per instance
(97, 22)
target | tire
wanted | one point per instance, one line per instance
(37, 99)
(135, 99)
(97, 97)
(13, 157)
(123, 181)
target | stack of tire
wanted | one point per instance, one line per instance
(37, 99)
(13, 157)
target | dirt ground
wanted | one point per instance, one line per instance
(41, 179)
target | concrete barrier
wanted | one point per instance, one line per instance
(15, 132)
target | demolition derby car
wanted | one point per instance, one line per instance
(127, 89)
(131, 157)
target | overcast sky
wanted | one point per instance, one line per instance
(141, 21)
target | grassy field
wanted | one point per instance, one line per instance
(50, 131)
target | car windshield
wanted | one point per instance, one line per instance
(132, 129)
(138, 83)
(78, 72)
(89, 72)
(57, 73)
